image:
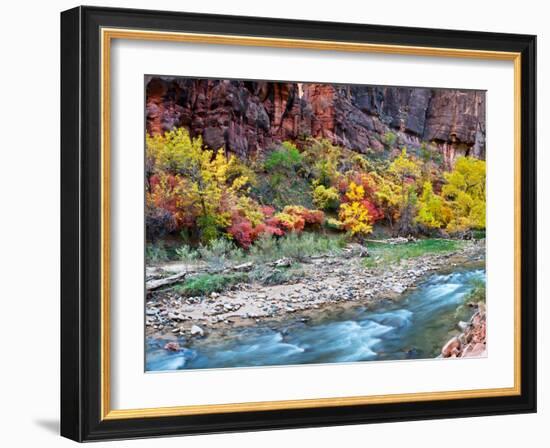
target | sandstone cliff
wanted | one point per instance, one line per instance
(250, 116)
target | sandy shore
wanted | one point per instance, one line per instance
(326, 281)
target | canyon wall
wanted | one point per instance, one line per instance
(247, 117)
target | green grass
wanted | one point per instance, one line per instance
(208, 283)
(478, 293)
(381, 254)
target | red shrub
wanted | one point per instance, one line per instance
(375, 213)
(242, 231)
(267, 210)
(307, 215)
(274, 226)
(358, 178)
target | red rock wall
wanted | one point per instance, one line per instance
(246, 116)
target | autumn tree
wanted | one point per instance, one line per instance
(432, 210)
(354, 213)
(464, 192)
(406, 171)
(388, 197)
(323, 162)
(206, 182)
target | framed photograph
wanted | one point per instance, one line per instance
(276, 224)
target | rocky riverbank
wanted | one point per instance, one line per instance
(472, 342)
(324, 281)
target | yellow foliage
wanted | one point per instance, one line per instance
(355, 192)
(291, 221)
(204, 188)
(325, 198)
(432, 211)
(388, 195)
(325, 160)
(464, 194)
(334, 223)
(249, 209)
(208, 182)
(355, 218)
(354, 215)
(404, 166)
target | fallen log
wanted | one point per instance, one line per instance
(397, 240)
(244, 267)
(152, 285)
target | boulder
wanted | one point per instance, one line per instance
(197, 331)
(451, 347)
(172, 347)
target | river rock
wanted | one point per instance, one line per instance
(398, 288)
(197, 331)
(282, 263)
(172, 347)
(450, 348)
(474, 350)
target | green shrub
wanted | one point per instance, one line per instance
(265, 248)
(476, 295)
(478, 291)
(208, 227)
(390, 138)
(300, 246)
(206, 284)
(326, 198)
(478, 234)
(156, 253)
(285, 157)
(294, 246)
(280, 189)
(186, 253)
(219, 252)
(274, 276)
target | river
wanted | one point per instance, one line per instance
(414, 327)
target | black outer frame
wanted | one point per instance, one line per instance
(81, 220)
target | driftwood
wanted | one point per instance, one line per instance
(151, 285)
(397, 240)
(376, 241)
(244, 267)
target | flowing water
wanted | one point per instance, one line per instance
(415, 327)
